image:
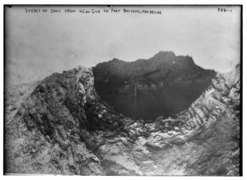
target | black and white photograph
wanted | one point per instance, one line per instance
(123, 90)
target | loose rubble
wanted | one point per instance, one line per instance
(61, 126)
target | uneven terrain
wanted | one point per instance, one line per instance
(61, 125)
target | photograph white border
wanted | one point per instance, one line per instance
(137, 2)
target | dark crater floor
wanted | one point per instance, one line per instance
(163, 85)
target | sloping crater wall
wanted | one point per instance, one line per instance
(163, 85)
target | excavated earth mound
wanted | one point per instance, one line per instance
(61, 125)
